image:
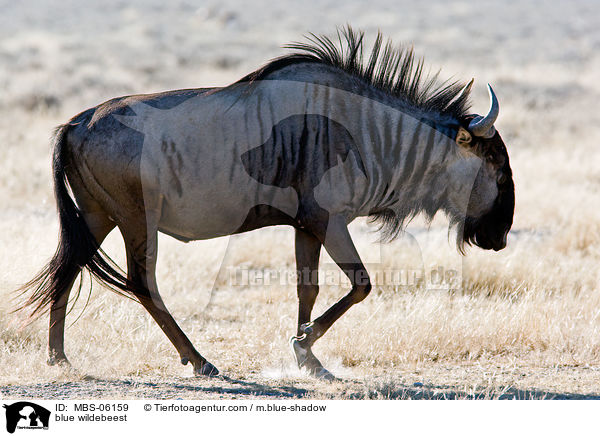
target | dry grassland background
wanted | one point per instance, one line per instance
(527, 322)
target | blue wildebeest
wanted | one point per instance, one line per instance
(313, 140)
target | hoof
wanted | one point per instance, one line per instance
(208, 369)
(323, 374)
(54, 360)
(307, 360)
(300, 353)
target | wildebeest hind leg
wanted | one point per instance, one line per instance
(100, 225)
(141, 247)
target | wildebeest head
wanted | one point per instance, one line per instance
(490, 209)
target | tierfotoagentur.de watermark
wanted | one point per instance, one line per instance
(435, 278)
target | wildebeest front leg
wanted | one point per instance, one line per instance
(141, 267)
(308, 249)
(340, 247)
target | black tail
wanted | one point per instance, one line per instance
(77, 248)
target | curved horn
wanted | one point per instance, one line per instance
(484, 126)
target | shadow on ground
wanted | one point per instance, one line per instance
(223, 387)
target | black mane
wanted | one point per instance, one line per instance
(391, 69)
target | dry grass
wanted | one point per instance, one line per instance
(525, 323)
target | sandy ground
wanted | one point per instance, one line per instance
(526, 323)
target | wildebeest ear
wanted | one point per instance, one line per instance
(464, 138)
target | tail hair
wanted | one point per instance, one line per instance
(77, 249)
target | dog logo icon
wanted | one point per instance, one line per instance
(26, 415)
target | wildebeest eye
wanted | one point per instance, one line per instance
(501, 178)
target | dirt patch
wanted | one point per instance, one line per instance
(454, 383)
